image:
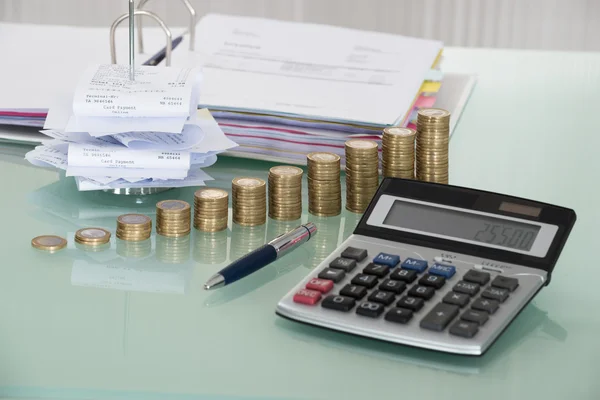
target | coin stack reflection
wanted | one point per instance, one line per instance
(326, 241)
(362, 173)
(285, 193)
(210, 247)
(398, 153)
(249, 201)
(245, 239)
(324, 185)
(433, 136)
(211, 210)
(137, 249)
(133, 227)
(173, 250)
(173, 218)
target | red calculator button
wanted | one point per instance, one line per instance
(322, 285)
(306, 296)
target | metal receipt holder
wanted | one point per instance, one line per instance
(192, 27)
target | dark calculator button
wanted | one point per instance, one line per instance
(504, 282)
(477, 277)
(369, 309)
(377, 270)
(412, 303)
(364, 280)
(433, 281)
(339, 303)
(405, 275)
(439, 317)
(466, 287)
(335, 275)
(387, 259)
(354, 291)
(399, 315)
(475, 316)
(343, 263)
(379, 296)
(464, 329)
(458, 299)
(425, 292)
(495, 294)
(354, 253)
(390, 285)
(486, 305)
(414, 264)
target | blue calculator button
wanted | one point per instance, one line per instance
(447, 271)
(387, 259)
(414, 264)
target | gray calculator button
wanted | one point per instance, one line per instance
(475, 316)
(486, 305)
(439, 317)
(477, 277)
(399, 315)
(466, 287)
(335, 275)
(458, 299)
(343, 263)
(495, 294)
(504, 282)
(355, 254)
(369, 309)
(464, 329)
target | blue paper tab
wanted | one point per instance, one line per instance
(414, 264)
(446, 271)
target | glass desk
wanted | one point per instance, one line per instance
(133, 321)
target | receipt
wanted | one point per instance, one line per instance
(44, 156)
(192, 135)
(92, 172)
(195, 178)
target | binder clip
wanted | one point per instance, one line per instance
(191, 30)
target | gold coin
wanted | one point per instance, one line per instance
(172, 206)
(323, 157)
(244, 182)
(286, 171)
(398, 131)
(433, 113)
(134, 219)
(211, 194)
(360, 144)
(49, 243)
(92, 236)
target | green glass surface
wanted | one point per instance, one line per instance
(133, 321)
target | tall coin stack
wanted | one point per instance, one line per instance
(211, 210)
(173, 218)
(134, 227)
(249, 201)
(433, 136)
(324, 186)
(285, 193)
(362, 173)
(398, 153)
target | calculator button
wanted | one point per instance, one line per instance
(504, 282)
(309, 297)
(414, 264)
(335, 275)
(369, 309)
(399, 315)
(339, 303)
(477, 277)
(390, 285)
(368, 281)
(354, 291)
(387, 259)
(412, 303)
(355, 254)
(439, 317)
(433, 281)
(377, 270)
(457, 299)
(486, 305)
(447, 271)
(495, 294)
(466, 287)
(464, 329)
(405, 275)
(425, 292)
(343, 263)
(475, 316)
(321, 285)
(385, 298)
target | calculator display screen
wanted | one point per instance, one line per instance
(462, 225)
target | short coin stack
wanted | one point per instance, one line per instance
(324, 186)
(211, 210)
(285, 193)
(173, 218)
(398, 152)
(92, 236)
(49, 243)
(362, 173)
(249, 201)
(433, 136)
(134, 227)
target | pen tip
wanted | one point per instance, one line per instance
(216, 281)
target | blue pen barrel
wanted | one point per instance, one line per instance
(249, 264)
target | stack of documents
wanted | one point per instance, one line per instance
(117, 133)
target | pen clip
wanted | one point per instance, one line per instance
(192, 28)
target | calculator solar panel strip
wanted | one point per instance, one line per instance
(416, 271)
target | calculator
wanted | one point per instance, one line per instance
(434, 266)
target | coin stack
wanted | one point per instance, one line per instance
(134, 227)
(324, 186)
(173, 218)
(433, 136)
(285, 193)
(398, 152)
(211, 210)
(92, 236)
(249, 201)
(362, 173)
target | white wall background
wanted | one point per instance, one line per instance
(525, 24)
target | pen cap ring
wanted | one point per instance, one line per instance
(192, 28)
(312, 228)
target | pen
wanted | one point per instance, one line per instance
(262, 256)
(158, 57)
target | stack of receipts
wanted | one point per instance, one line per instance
(116, 133)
